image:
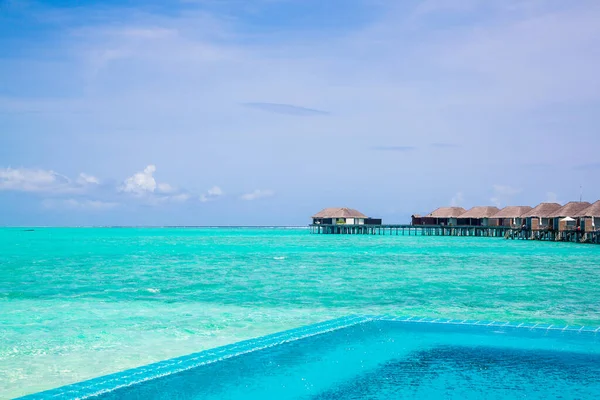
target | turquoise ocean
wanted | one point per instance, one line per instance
(81, 302)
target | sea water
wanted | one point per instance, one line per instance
(81, 302)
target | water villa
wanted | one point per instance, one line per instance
(511, 216)
(590, 217)
(441, 216)
(562, 219)
(575, 222)
(539, 217)
(331, 216)
(478, 216)
(343, 220)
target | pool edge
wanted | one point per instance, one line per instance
(107, 383)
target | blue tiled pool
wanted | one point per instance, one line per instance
(368, 357)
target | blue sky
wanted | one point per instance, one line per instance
(203, 112)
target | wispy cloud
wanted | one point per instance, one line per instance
(538, 165)
(79, 204)
(86, 179)
(287, 109)
(457, 200)
(552, 197)
(211, 194)
(42, 181)
(400, 149)
(31, 180)
(588, 167)
(158, 199)
(503, 194)
(428, 7)
(444, 145)
(257, 194)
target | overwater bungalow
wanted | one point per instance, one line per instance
(564, 218)
(511, 216)
(343, 216)
(574, 222)
(416, 219)
(478, 216)
(443, 216)
(590, 218)
(539, 216)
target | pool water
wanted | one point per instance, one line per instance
(364, 357)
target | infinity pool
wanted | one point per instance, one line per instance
(367, 357)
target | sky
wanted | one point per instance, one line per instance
(263, 112)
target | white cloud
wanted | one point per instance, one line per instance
(457, 200)
(44, 181)
(157, 199)
(141, 182)
(182, 197)
(257, 194)
(165, 188)
(85, 179)
(144, 186)
(79, 204)
(33, 180)
(212, 194)
(64, 193)
(215, 191)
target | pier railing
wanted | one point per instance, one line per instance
(459, 230)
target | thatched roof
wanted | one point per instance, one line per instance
(446, 212)
(591, 211)
(542, 210)
(480, 212)
(339, 212)
(570, 209)
(512, 212)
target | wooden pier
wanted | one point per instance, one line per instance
(410, 230)
(467, 231)
(575, 236)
